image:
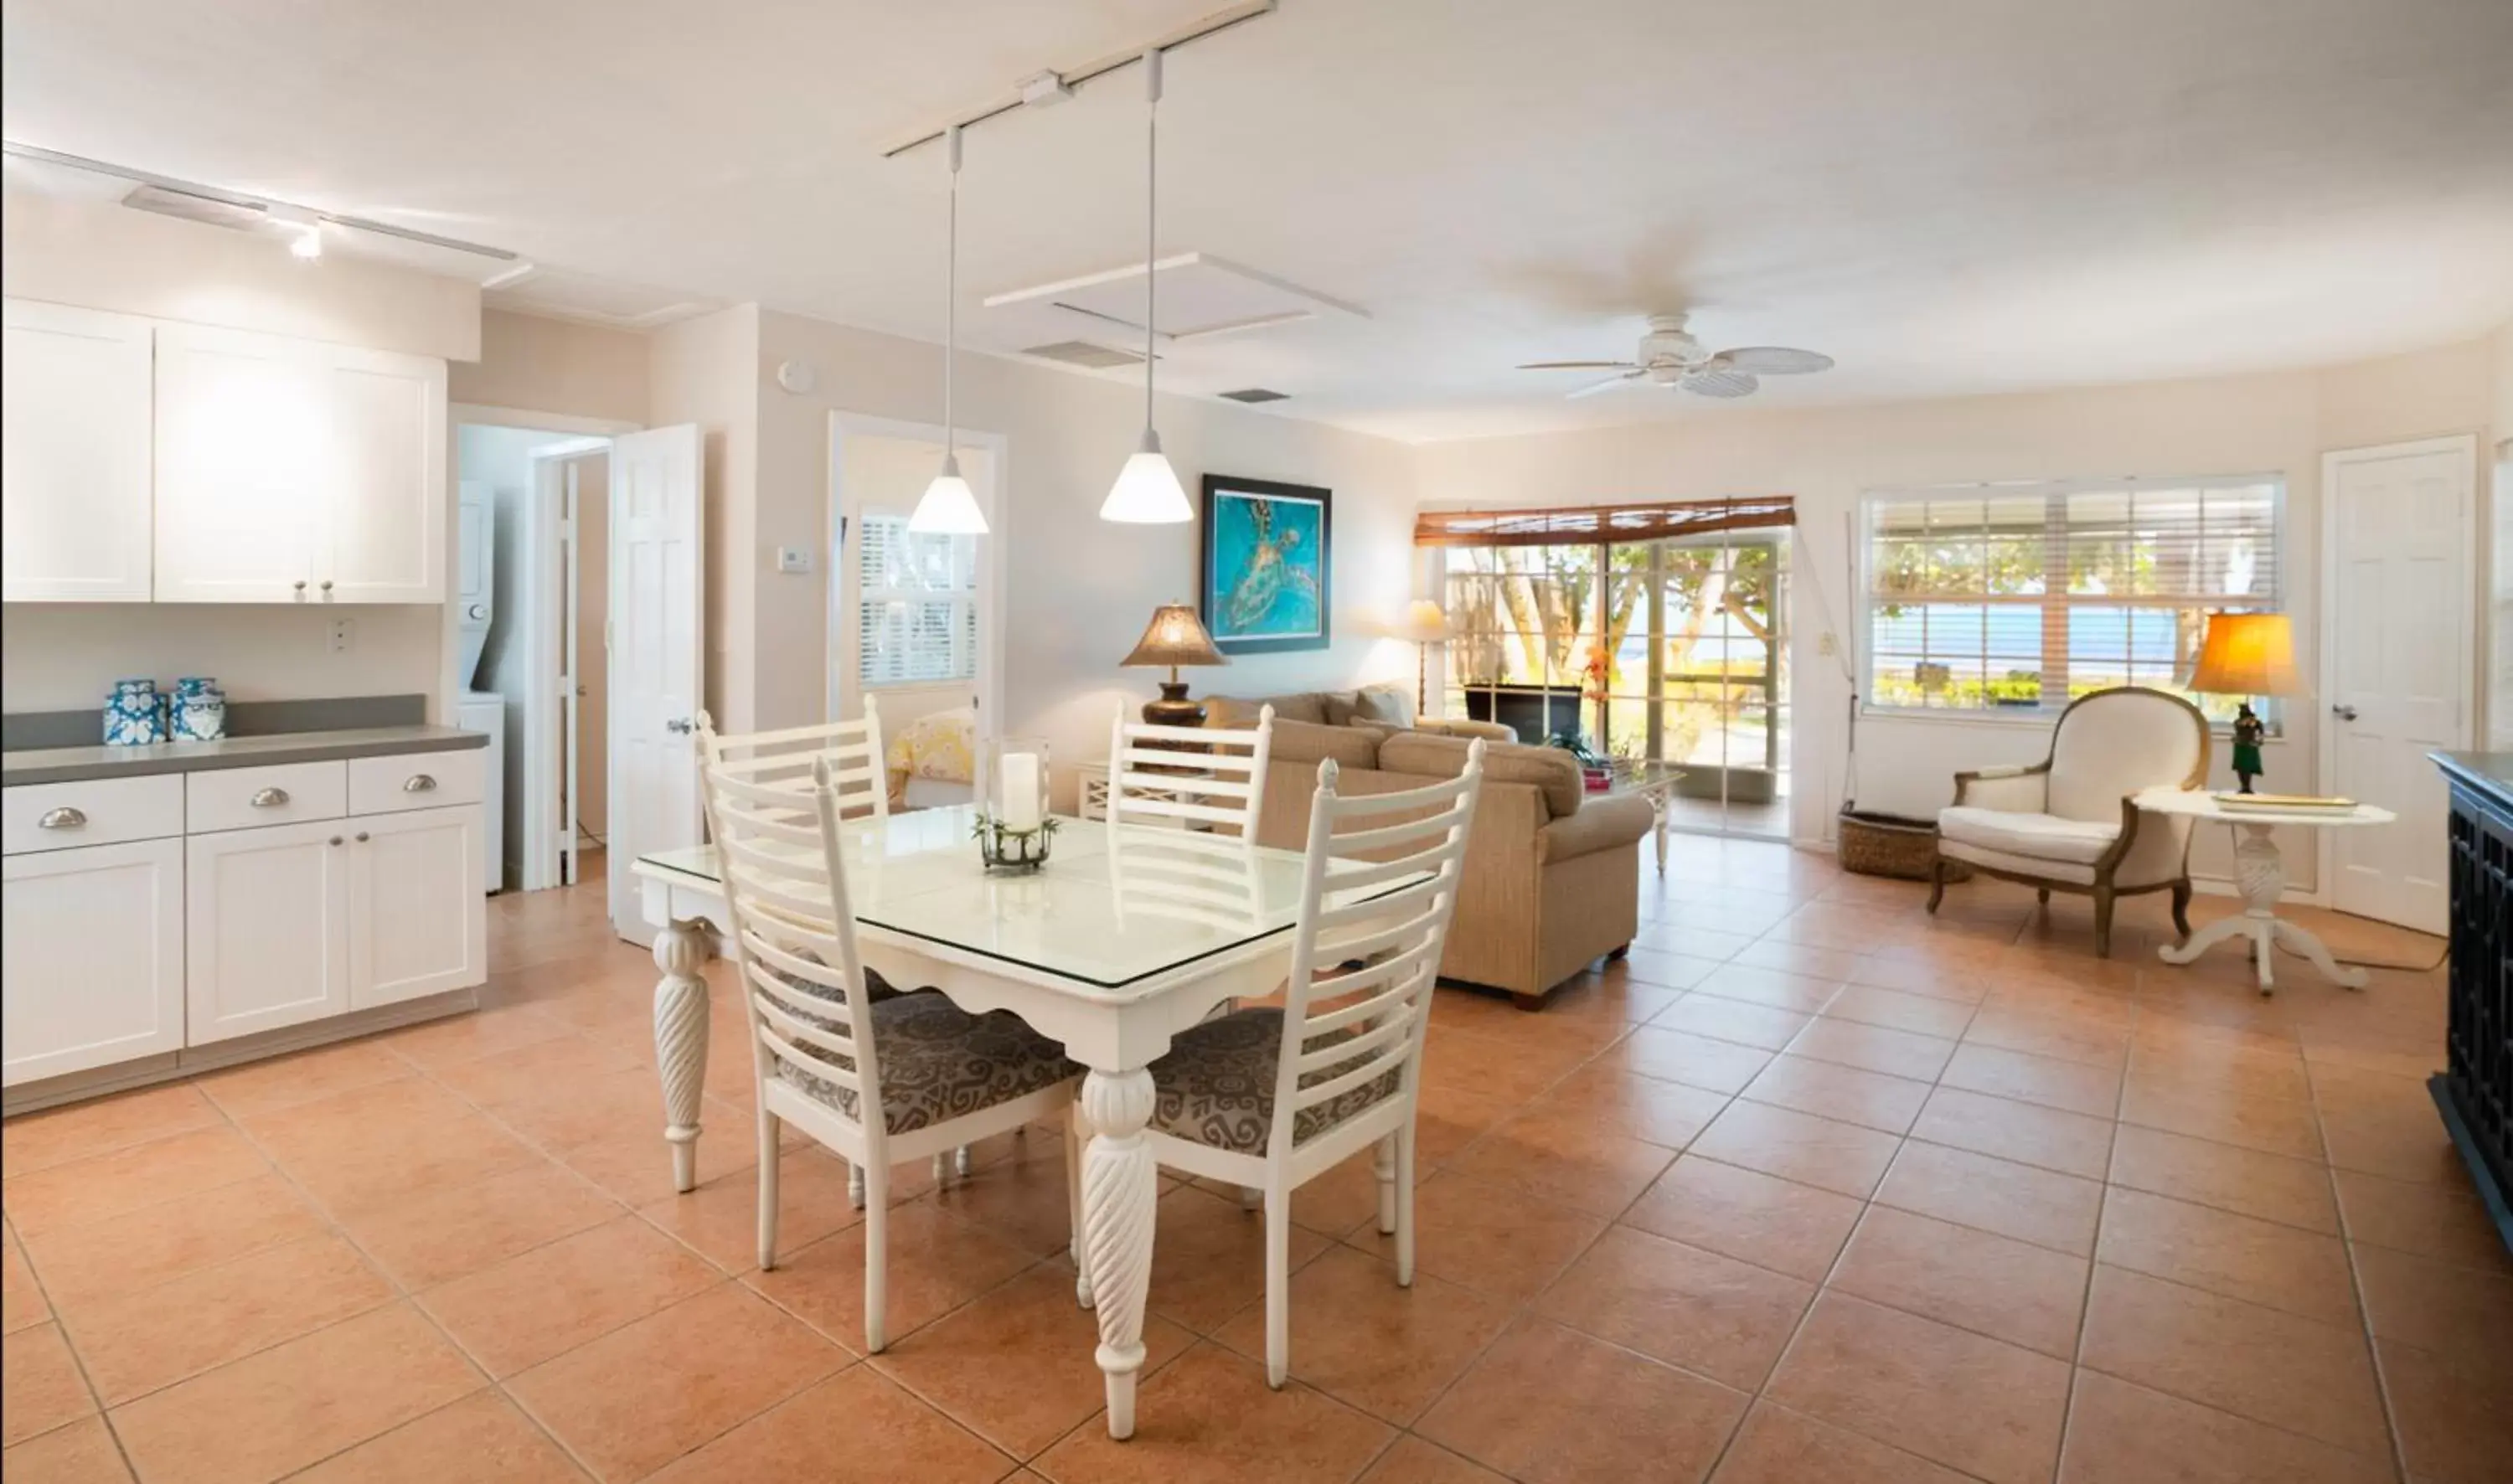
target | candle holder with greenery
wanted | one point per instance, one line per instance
(1004, 848)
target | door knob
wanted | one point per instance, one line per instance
(682, 724)
(2344, 713)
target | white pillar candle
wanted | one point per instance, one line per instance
(1021, 791)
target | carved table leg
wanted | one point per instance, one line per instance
(681, 1041)
(2260, 872)
(1120, 1180)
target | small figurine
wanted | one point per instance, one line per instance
(2248, 731)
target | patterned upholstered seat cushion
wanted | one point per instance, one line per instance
(939, 1061)
(878, 988)
(1216, 1085)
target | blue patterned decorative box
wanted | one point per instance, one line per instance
(132, 715)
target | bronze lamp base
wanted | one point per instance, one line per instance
(1173, 708)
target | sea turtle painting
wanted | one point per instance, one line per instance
(1267, 563)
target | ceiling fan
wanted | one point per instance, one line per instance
(1669, 356)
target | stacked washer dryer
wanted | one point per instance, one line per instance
(476, 608)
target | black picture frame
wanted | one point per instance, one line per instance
(1213, 589)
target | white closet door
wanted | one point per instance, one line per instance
(74, 466)
(242, 435)
(385, 479)
(658, 662)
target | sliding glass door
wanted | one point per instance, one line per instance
(1670, 649)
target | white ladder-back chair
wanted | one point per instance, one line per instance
(1271, 1098)
(1188, 775)
(876, 1081)
(786, 758)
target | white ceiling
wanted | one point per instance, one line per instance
(1949, 196)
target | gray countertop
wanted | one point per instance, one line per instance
(73, 764)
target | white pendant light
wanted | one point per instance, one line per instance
(950, 507)
(1148, 492)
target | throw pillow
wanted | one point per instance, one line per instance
(1388, 705)
(1338, 706)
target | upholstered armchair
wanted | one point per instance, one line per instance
(2066, 823)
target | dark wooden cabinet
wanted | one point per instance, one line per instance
(2475, 1094)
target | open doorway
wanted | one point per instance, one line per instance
(915, 619)
(532, 619)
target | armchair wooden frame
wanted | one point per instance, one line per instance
(2100, 888)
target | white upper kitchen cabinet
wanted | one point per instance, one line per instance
(74, 445)
(243, 440)
(290, 471)
(385, 483)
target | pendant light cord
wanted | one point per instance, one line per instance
(1151, 216)
(951, 302)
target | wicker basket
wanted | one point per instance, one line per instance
(1890, 845)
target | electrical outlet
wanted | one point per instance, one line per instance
(344, 635)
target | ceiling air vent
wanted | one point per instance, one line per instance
(1084, 353)
(1256, 394)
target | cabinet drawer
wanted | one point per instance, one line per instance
(282, 793)
(416, 781)
(101, 812)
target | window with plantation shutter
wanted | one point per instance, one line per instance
(917, 596)
(2023, 597)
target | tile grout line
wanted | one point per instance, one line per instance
(2356, 1287)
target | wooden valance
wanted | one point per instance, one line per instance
(1588, 525)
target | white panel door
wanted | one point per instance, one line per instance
(93, 944)
(242, 442)
(418, 919)
(74, 454)
(266, 941)
(2398, 632)
(385, 479)
(657, 627)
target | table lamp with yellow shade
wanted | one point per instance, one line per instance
(1176, 637)
(2247, 654)
(1425, 625)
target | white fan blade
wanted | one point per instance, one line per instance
(1580, 365)
(1719, 381)
(1609, 384)
(1774, 361)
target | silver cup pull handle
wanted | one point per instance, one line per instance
(63, 818)
(269, 798)
(418, 783)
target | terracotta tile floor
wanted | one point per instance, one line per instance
(1814, 1187)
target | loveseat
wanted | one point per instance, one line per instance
(1552, 877)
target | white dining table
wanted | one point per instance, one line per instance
(1128, 935)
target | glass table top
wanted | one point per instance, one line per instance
(1114, 906)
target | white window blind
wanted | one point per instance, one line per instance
(916, 604)
(2024, 597)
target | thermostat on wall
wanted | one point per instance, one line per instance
(793, 559)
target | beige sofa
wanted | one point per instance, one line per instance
(1552, 872)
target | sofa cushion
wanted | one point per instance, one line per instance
(1309, 744)
(1241, 711)
(2034, 836)
(1387, 705)
(1605, 824)
(1338, 706)
(1554, 772)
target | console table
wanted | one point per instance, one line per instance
(2475, 1093)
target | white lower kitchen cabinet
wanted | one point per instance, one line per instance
(416, 924)
(93, 940)
(266, 928)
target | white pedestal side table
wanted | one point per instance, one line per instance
(2260, 872)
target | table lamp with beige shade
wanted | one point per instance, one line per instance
(2246, 655)
(1425, 625)
(1176, 637)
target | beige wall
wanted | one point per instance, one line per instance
(2279, 424)
(62, 656)
(539, 365)
(1078, 590)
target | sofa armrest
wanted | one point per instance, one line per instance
(1601, 825)
(2011, 790)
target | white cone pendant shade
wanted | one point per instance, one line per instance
(1148, 492)
(948, 507)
